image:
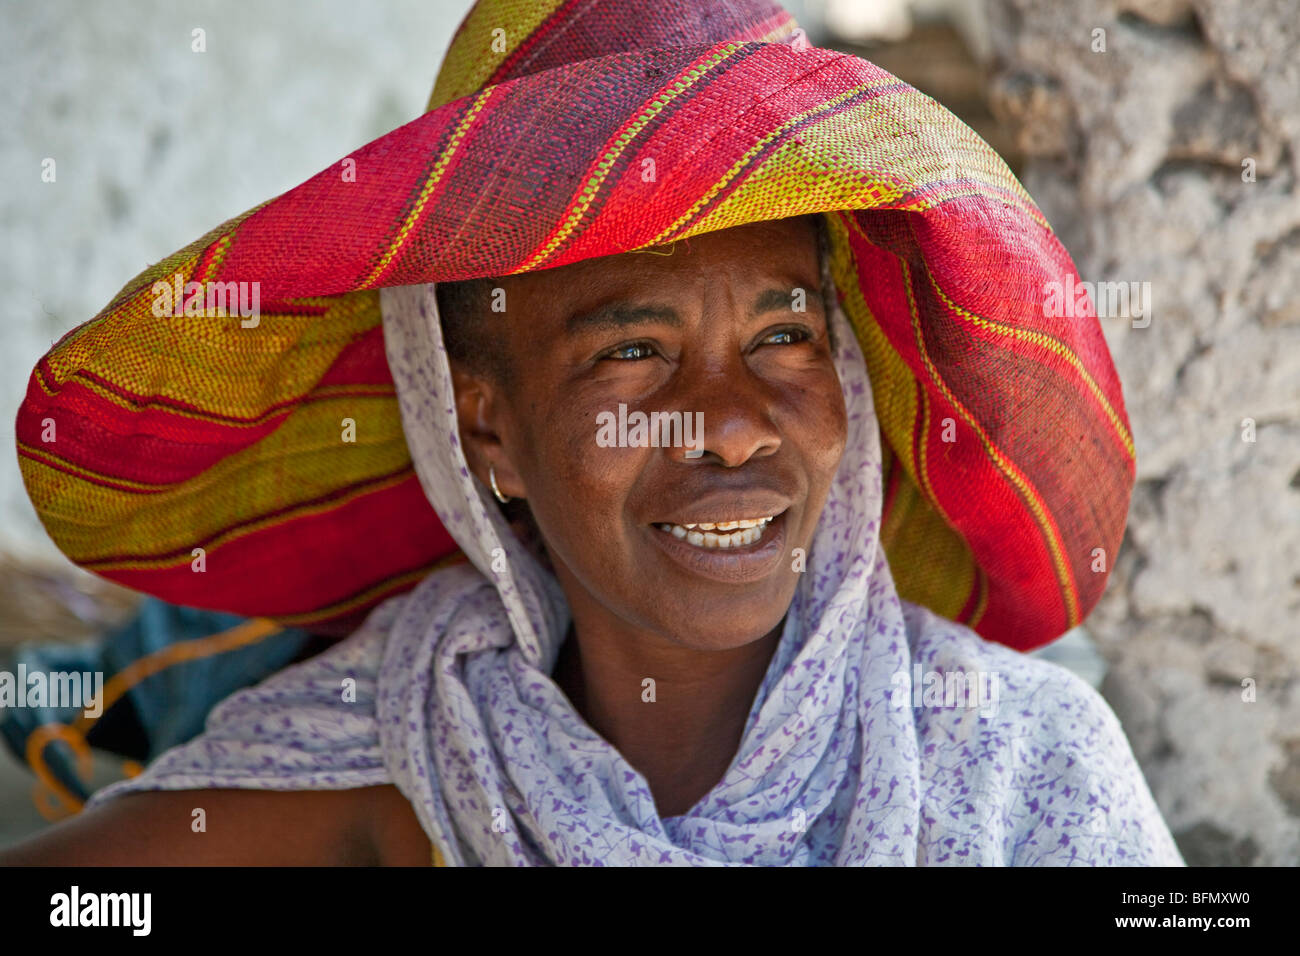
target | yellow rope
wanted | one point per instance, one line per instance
(52, 799)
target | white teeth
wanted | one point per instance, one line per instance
(703, 535)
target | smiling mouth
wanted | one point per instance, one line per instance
(698, 547)
(722, 535)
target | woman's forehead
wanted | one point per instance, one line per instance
(779, 245)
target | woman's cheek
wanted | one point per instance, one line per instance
(581, 485)
(816, 415)
(836, 432)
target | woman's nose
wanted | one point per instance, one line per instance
(732, 409)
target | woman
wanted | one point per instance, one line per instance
(687, 653)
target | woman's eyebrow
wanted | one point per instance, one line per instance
(774, 300)
(617, 315)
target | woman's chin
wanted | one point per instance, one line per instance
(707, 625)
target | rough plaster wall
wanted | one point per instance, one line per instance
(1136, 156)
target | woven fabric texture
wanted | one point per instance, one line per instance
(559, 131)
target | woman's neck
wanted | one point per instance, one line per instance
(677, 715)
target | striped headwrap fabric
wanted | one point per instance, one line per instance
(559, 131)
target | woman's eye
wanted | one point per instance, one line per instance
(631, 352)
(788, 337)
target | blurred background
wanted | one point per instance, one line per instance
(1160, 137)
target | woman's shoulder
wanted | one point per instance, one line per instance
(214, 827)
(1017, 686)
(1039, 741)
(310, 726)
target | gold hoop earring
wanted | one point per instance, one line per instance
(492, 477)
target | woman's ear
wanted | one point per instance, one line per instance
(479, 411)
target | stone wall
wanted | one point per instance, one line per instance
(1166, 149)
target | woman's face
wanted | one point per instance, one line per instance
(712, 332)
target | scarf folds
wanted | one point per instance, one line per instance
(842, 760)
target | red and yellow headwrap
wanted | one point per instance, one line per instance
(155, 444)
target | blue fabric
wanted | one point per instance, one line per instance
(170, 706)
